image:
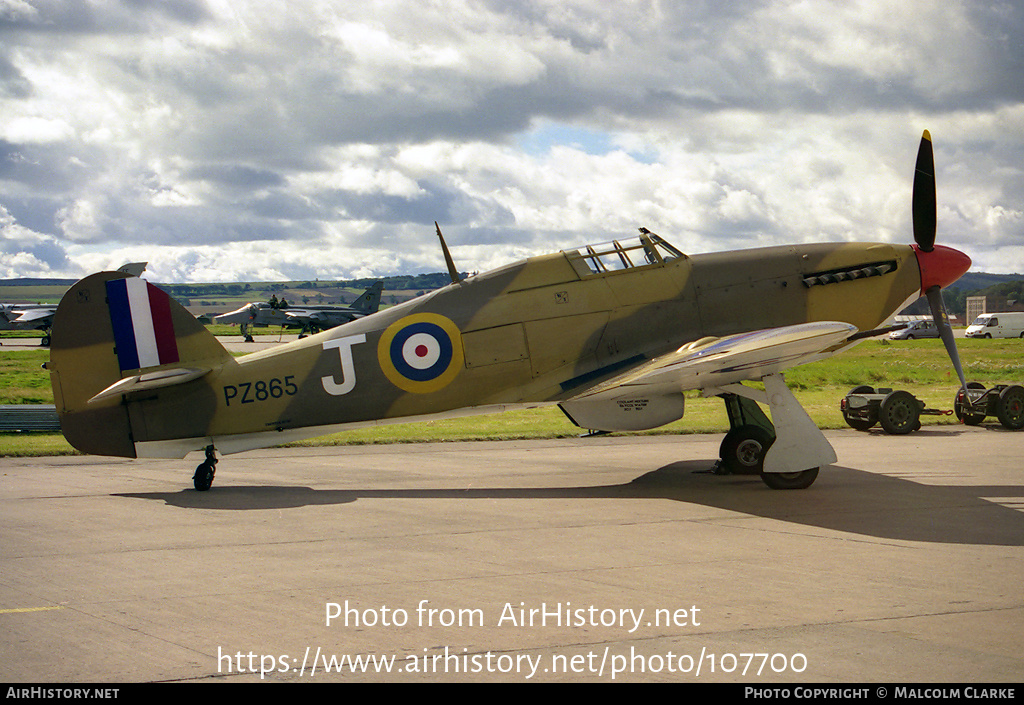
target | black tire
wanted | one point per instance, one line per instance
(743, 450)
(858, 423)
(966, 418)
(1010, 408)
(855, 421)
(899, 413)
(203, 479)
(790, 480)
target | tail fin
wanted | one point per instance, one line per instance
(369, 302)
(114, 334)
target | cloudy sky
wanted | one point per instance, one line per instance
(267, 140)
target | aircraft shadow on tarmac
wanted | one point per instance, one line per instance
(843, 499)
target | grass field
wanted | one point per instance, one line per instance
(918, 366)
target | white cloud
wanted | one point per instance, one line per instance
(242, 139)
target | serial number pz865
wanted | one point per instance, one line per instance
(260, 390)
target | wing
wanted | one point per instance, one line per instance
(300, 315)
(652, 394)
(35, 316)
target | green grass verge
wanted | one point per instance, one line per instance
(918, 366)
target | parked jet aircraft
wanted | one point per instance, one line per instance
(28, 317)
(613, 334)
(40, 316)
(311, 319)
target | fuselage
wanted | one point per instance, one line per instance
(540, 331)
(534, 332)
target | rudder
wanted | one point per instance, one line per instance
(108, 328)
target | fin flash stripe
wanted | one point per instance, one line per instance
(141, 317)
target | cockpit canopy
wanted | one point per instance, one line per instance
(646, 249)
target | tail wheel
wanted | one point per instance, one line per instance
(203, 478)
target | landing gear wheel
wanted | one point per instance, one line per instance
(204, 473)
(959, 405)
(1010, 408)
(899, 413)
(743, 450)
(790, 480)
(203, 478)
(45, 342)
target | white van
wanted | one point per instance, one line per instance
(997, 325)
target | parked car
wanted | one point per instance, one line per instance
(916, 329)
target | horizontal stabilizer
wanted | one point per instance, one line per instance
(152, 380)
(36, 314)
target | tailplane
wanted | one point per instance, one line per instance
(116, 335)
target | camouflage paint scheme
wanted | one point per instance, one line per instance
(540, 331)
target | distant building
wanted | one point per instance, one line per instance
(977, 305)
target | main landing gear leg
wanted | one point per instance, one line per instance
(204, 473)
(787, 459)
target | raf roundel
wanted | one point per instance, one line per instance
(421, 353)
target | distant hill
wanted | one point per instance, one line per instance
(971, 284)
(28, 281)
(975, 281)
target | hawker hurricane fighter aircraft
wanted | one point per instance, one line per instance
(613, 334)
(311, 319)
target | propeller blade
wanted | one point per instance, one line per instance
(934, 295)
(923, 203)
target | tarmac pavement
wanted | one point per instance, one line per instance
(597, 559)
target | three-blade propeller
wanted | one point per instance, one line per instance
(924, 215)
